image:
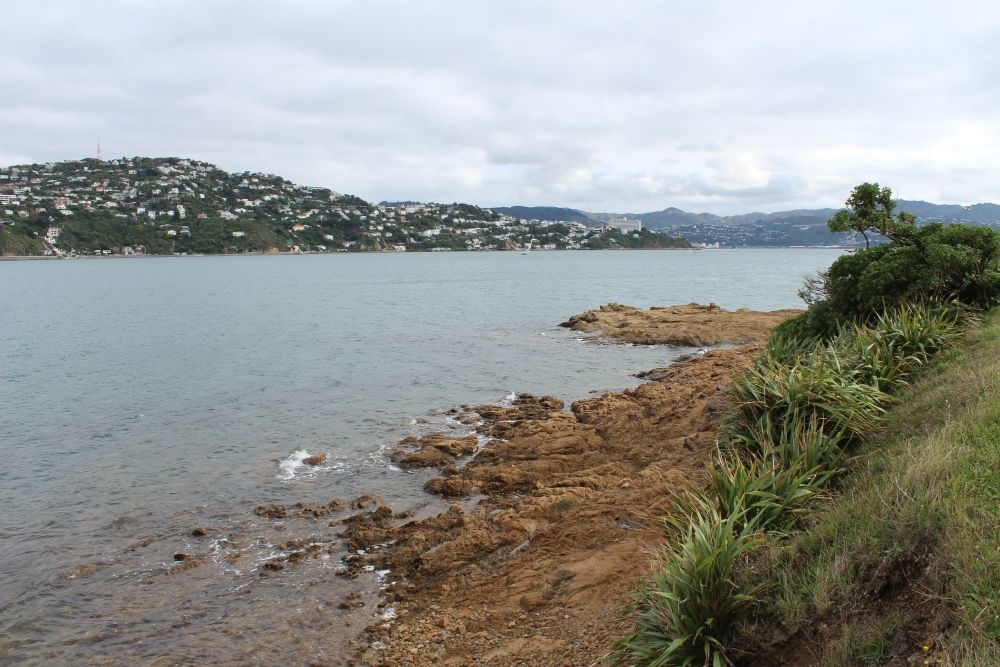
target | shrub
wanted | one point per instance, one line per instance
(762, 495)
(933, 263)
(818, 388)
(886, 352)
(792, 339)
(687, 608)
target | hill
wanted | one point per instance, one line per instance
(550, 213)
(798, 227)
(179, 206)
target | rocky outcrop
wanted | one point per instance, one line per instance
(689, 325)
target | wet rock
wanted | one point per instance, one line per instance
(435, 450)
(184, 563)
(199, 532)
(337, 505)
(315, 459)
(271, 511)
(363, 501)
(352, 601)
(366, 530)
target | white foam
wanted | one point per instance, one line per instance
(289, 466)
(508, 400)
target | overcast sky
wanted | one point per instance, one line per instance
(605, 106)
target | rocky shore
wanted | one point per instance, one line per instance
(558, 513)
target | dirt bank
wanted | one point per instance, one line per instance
(691, 324)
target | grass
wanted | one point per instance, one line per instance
(902, 517)
(913, 534)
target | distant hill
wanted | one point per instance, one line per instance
(176, 205)
(976, 213)
(141, 205)
(798, 227)
(547, 213)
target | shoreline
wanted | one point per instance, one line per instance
(564, 513)
(14, 258)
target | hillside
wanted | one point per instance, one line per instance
(550, 213)
(901, 564)
(798, 227)
(180, 206)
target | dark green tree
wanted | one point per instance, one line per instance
(871, 209)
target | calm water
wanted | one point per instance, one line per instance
(141, 398)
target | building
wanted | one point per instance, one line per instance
(624, 225)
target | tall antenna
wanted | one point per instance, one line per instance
(98, 148)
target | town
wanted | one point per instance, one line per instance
(163, 206)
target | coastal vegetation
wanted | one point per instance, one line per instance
(850, 514)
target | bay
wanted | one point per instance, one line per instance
(142, 397)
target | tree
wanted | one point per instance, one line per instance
(871, 209)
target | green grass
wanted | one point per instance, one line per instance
(908, 548)
(898, 552)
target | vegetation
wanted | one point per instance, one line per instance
(906, 553)
(19, 240)
(916, 516)
(870, 208)
(934, 262)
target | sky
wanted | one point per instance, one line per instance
(625, 106)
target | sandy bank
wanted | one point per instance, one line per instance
(539, 571)
(691, 324)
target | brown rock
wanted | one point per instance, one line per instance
(271, 511)
(689, 325)
(315, 459)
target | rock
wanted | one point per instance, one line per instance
(315, 459)
(352, 601)
(362, 501)
(271, 511)
(199, 532)
(435, 450)
(452, 487)
(689, 325)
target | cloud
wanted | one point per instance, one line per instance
(613, 106)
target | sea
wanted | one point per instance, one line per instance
(143, 400)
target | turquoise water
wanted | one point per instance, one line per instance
(142, 397)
